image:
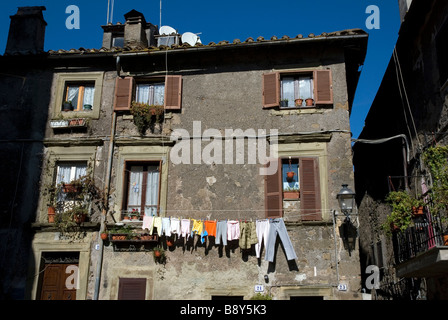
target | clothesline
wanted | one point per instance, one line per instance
(247, 232)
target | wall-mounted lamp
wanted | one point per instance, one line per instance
(346, 198)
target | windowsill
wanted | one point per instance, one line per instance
(74, 114)
(293, 111)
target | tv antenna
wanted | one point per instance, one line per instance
(110, 11)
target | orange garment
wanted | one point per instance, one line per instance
(210, 227)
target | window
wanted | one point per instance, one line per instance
(290, 178)
(142, 180)
(81, 96)
(68, 172)
(132, 289)
(150, 93)
(294, 88)
(167, 92)
(118, 41)
(83, 89)
(315, 84)
(305, 178)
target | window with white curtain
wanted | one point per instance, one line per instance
(67, 172)
(142, 188)
(150, 93)
(296, 87)
(81, 95)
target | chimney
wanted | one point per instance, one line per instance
(26, 31)
(134, 30)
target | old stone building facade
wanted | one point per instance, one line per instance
(406, 119)
(201, 159)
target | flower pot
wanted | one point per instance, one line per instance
(104, 236)
(284, 104)
(445, 239)
(87, 107)
(70, 188)
(169, 243)
(79, 218)
(291, 195)
(417, 211)
(298, 102)
(157, 253)
(309, 102)
(51, 214)
(67, 106)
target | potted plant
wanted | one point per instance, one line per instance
(284, 103)
(298, 102)
(291, 193)
(104, 235)
(67, 105)
(146, 115)
(159, 255)
(309, 102)
(51, 214)
(402, 204)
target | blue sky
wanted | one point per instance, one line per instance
(229, 20)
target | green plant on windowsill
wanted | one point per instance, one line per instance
(284, 103)
(402, 204)
(146, 115)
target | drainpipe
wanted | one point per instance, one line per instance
(104, 212)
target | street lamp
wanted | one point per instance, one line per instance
(346, 198)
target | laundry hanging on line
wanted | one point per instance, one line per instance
(262, 231)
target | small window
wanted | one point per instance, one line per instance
(80, 96)
(292, 86)
(118, 41)
(290, 178)
(150, 93)
(296, 89)
(141, 189)
(66, 172)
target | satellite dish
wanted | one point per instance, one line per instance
(190, 38)
(167, 30)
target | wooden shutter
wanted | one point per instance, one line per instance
(271, 90)
(323, 87)
(123, 93)
(132, 289)
(173, 92)
(273, 193)
(309, 189)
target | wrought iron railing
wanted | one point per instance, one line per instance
(426, 233)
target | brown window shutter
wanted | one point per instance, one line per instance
(273, 194)
(123, 93)
(132, 289)
(310, 189)
(173, 92)
(323, 87)
(271, 90)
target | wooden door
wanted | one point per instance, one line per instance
(54, 286)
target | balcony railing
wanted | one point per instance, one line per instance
(426, 233)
